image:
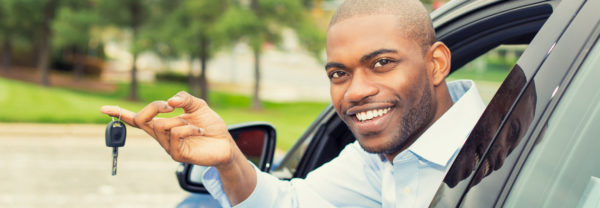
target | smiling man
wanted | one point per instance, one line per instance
(387, 84)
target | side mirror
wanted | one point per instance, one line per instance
(255, 139)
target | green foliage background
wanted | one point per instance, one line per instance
(25, 102)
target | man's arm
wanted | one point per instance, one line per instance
(199, 136)
(349, 180)
(238, 178)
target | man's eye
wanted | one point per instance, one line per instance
(381, 62)
(336, 74)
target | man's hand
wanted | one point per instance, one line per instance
(199, 136)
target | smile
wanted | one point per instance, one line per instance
(370, 114)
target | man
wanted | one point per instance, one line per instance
(387, 84)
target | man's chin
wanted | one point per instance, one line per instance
(379, 148)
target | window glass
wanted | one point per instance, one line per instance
(288, 166)
(562, 169)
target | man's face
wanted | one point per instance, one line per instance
(380, 82)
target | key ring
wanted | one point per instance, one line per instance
(113, 118)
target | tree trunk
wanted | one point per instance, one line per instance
(45, 37)
(256, 104)
(43, 60)
(203, 59)
(79, 58)
(7, 55)
(133, 96)
(193, 82)
(135, 10)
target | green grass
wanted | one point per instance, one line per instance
(24, 102)
(489, 75)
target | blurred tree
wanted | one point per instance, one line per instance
(73, 28)
(258, 22)
(44, 37)
(186, 30)
(9, 28)
(312, 37)
(133, 15)
(28, 20)
(14, 20)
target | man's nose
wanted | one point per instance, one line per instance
(361, 87)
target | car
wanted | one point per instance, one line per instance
(535, 143)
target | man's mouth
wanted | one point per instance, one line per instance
(371, 114)
(370, 119)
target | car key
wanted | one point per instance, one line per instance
(115, 137)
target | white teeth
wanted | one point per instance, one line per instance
(370, 114)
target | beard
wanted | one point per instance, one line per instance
(414, 122)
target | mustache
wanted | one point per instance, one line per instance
(370, 102)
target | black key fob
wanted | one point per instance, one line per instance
(115, 134)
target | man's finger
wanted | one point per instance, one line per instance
(166, 124)
(146, 115)
(116, 111)
(186, 101)
(178, 134)
(162, 127)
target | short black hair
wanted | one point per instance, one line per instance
(413, 17)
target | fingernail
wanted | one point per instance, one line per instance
(105, 109)
(176, 98)
(184, 121)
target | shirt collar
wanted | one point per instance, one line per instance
(439, 143)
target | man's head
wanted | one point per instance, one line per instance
(387, 72)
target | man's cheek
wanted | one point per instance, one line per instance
(337, 98)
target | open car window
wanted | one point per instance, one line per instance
(497, 34)
(490, 69)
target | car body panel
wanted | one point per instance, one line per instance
(558, 64)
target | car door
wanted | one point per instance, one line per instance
(493, 158)
(470, 29)
(560, 169)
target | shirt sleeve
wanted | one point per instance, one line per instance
(341, 182)
(269, 192)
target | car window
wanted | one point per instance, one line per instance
(505, 31)
(286, 168)
(288, 165)
(490, 69)
(562, 169)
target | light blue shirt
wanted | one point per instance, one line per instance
(357, 178)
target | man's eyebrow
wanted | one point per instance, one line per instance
(334, 65)
(365, 58)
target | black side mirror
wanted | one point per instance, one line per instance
(255, 139)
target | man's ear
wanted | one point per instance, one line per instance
(438, 58)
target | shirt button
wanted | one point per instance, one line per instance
(406, 190)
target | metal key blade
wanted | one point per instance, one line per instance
(114, 165)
